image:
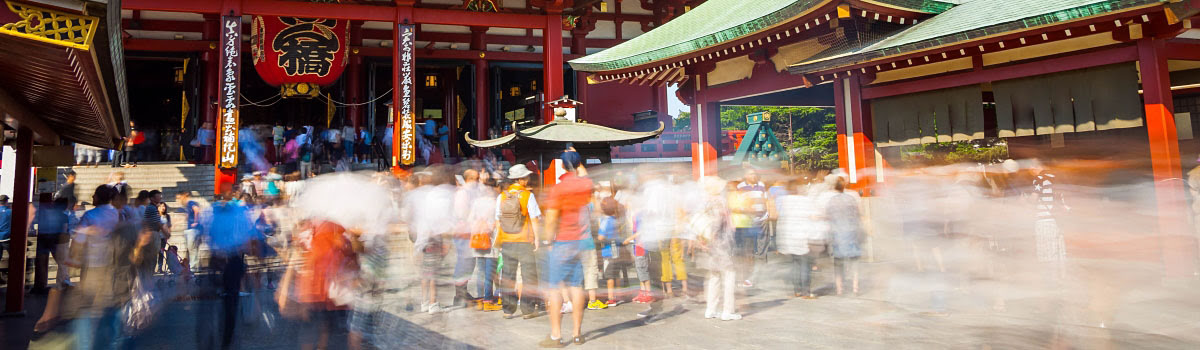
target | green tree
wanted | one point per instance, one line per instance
(812, 140)
(683, 122)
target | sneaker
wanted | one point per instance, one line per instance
(646, 313)
(597, 305)
(612, 302)
(425, 307)
(711, 314)
(434, 308)
(747, 284)
(730, 317)
(489, 306)
(567, 307)
(643, 298)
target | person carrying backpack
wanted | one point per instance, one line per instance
(517, 214)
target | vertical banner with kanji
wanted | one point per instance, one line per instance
(231, 74)
(405, 98)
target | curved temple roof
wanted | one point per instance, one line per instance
(971, 20)
(567, 131)
(719, 21)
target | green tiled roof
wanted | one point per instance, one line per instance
(713, 23)
(930, 6)
(971, 20)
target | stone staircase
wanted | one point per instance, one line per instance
(170, 178)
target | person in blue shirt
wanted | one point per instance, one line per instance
(229, 233)
(5, 226)
(193, 228)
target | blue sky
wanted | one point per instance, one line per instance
(674, 105)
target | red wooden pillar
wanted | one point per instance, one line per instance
(450, 115)
(579, 47)
(705, 124)
(552, 60)
(483, 95)
(839, 106)
(354, 85)
(15, 295)
(662, 105)
(856, 152)
(1178, 246)
(208, 109)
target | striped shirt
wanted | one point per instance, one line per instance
(151, 219)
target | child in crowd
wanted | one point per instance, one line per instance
(641, 263)
(611, 234)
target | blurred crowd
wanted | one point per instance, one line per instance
(329, 252)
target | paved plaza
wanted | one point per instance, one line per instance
(893, 312)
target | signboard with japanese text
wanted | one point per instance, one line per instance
(406, 98)
(227, 100)
(289, 50)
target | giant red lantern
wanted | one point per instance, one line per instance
(290, 50)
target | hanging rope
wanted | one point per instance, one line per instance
(385, 94)
(277, 97)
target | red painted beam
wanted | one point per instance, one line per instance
(1183, 50)
(624, 17)
(201, 45)
(319, 10)
(467, 18)
(344, 11)
(764, 80)
(209, 7)
(462, 54)
(170, 45)
(164, 26)
(376, 34)
(1094, 58)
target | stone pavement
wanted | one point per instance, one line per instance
(899, 308)
(895, 316)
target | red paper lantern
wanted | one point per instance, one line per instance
(290, 50)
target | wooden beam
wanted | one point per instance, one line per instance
(375, 34)
(162, 45)
(462, 54)
(1127, 53)
(344, 11)
(206, 7)
(1183, 50)
(16, 115)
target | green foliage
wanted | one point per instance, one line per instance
(683, 122)
(813, 140)
(985, 151)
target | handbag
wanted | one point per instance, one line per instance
(481, 240)
(139, 311)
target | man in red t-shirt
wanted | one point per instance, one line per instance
(568, 217)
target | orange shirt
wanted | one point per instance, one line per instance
(329, 258)
(570, 197)
(526, 234)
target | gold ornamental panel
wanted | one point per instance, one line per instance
(51, 26)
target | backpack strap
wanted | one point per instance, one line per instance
(525, 203)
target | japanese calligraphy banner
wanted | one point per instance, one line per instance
(231, 76)
(405, 95)
(290, 50)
